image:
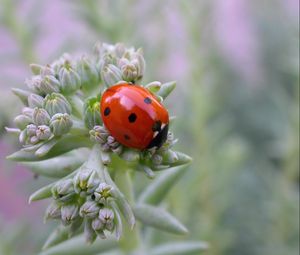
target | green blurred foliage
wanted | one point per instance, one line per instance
(241, 193)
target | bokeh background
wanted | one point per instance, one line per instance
(237, 101)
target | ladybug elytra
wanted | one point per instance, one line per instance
(134, 117)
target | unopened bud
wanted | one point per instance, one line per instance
(99, 134)
(53, 211)
(86, 181)
(111, 75)
(69, 213)
(40, 117)
(106, 216)
(70, 80)
(89, 209)
(103, 192)
(57, 103)
(88, 73)
(63, 190)
(22, 121)
(49, 84)
(61, 124)
(35, 100)
(43, 132)
(92, 116)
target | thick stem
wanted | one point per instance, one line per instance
(130, 240)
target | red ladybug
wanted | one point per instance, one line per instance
(134, 117)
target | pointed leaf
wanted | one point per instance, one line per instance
(59, 235)
(59, 166)
(45, 192)
(158, 218)
(159, 188)
(121, 200)
(180, 248)
(22, 95)
(78, 246)
(65, 144)
(166, 89)
(45, 148)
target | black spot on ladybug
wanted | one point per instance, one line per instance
(161, 137)
(148, 100)
(132, 117)
(156, 126)
(106, 111)
(127, 137)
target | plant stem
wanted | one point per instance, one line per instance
(130, 240)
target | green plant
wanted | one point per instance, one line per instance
(62, 136)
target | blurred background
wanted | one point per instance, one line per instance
(237, 101)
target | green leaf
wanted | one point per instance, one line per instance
(78, 246)
(121, 200)
(45, 148)
(59, 166)
(22, 95)
(41, 193)
(65, 144)
(158, 189)
(59, 235)
(166, 89)
(45, 192)
(158, 218)
(175, 158)
(180, 248)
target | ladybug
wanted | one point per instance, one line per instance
(134, 117)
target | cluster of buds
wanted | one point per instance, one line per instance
(84, 199)
(62, 113)
(100, 134)
(118, 63)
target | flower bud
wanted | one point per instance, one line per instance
(69, 213)
(47, 70)
(57, 103)
(119, 50)
(129, 73)
(60, 124)
(63, 190)
(23, 136)
(70, 80)
(97, 224)
(88, 73)
(105, 60)
(89, 209)
(43, 132)
(157, 159)
(31, 130)
(35, 100)
(92, 116)
(110, 75)
(33, 140)
(40, 117)
(53, 211)
(34, 84)
(49, 84)
(99, 134)
(22, 121)
(28, 111)
(106, 216)
(103, 192)
(86, 181)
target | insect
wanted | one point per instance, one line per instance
(134, 117)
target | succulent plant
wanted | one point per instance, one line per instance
(60, 128)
